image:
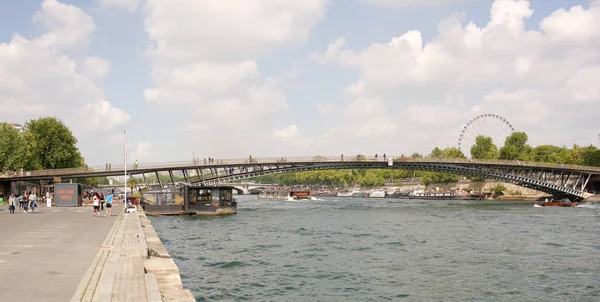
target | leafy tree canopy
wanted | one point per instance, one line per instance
(12, 148)
(50, 145)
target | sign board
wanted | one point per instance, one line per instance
(56, 179)
(391, 162)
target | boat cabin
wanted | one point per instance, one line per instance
(190, 200)
(210, 200)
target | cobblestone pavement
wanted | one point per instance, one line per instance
(44, 255)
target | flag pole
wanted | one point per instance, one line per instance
(125, 160)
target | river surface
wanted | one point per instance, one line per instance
(353, 249)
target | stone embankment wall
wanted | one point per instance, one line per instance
(160, 267)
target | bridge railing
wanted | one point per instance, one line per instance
(282, 160)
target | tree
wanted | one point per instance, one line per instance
(436, 152)
(416, 155)
(51, 145)
(498, 190)
(484, 148)
(452, 153)
(12, 148)
(516, 148)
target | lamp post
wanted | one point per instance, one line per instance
(125, 160)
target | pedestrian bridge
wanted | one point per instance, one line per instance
(578, 182)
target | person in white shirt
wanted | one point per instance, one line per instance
(32, 201)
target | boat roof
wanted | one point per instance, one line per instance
(211, 187)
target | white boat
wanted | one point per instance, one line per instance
(377, 194)
(344, 194)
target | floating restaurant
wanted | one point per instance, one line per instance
(190, 200)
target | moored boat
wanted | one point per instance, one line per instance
(377, 194)
(190, 200)
(344, 194)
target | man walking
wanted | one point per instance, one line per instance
(109, 199)
(32, 201)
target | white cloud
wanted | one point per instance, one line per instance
(101, 115)
(532, 77)
(585, 84)
(41, 77)
(129, 5)
(324, 107)
(229, 29)
(204, 57)
(96, 67)
(291, 136)
(141, 151)
(401, 3)
(67, 25)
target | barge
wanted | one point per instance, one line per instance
(190, 200)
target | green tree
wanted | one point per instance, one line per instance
(591, 156)
(498, 190)
(51, 145)
(452, 153)
(436, 152)
(484, 148)
(12, 148)
(416, 155)
(516, 147)
(549, 154)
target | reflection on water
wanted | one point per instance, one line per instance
(351, 249)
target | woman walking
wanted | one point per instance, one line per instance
(96, 204)
(25, 202)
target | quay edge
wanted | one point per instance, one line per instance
(160, 266)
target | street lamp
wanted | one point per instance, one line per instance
(125, 160)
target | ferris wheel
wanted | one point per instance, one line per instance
(489, 125)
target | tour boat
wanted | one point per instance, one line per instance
(299, 195)
(556, 203)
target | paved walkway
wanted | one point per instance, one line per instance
(117, 271)
(44, 255)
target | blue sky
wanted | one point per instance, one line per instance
(241, 78)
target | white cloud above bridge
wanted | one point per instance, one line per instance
(290, 78)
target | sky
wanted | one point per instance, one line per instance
(286, 78)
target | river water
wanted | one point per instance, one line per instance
(352, 249)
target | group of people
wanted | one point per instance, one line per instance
(26, 201)
(98, 201)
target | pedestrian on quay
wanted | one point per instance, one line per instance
(96, 204)
(20, 200)
(25, 202)
(12, 200)
(109, 199)
(32, 202)
(101, 201)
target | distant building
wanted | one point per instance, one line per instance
(17, 127)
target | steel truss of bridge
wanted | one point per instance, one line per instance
(556, 179)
